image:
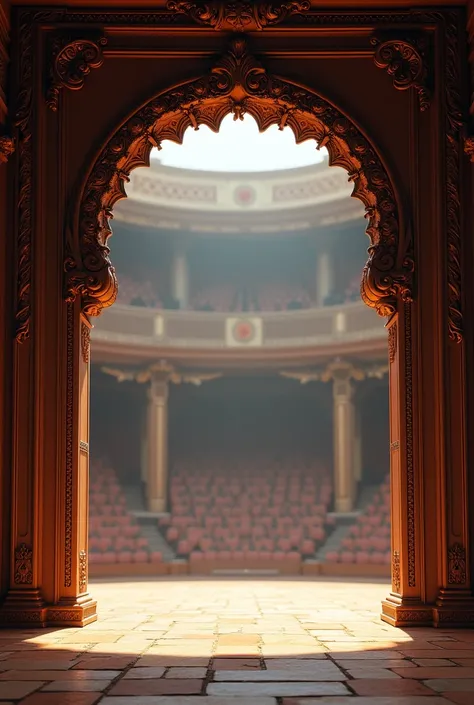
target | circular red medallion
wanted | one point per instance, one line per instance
(243, 331)
(244, 195)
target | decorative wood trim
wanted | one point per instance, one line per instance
(23, 122)
(7, 147)
(395, 445)
(405, 61)
(83, 446)
(392, 342)
(71, 61)
(236, 84)
(453, 131)
(85, 342)
(410, 470)
(68, 500)
(23, 565)
(82, 571)
(396, 571)
(456, 565)
(238, 16)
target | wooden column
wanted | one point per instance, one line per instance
(157, 483)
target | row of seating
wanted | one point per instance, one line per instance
(368, 540)
(247, 507)
(114, 535)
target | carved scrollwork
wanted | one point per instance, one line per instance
(405, 61)
(23, 565)
(72, 61)
(7, 147)
(237, 84)
(239, 16)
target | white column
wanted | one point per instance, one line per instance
(157, 483)
(344, 481)
(180, 278)
(324, 277)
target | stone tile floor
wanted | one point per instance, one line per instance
(237, 642)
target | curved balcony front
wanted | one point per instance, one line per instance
(147, 333)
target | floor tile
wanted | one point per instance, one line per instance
(18, 689)
(276, 689)
(153, 686)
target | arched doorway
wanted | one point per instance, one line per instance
(238, 83)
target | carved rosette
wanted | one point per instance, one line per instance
(7, 147)
(392, 342)
(23, 565)
(405, 61)
(237, 84)
(456, 565)
(72, 61)
(239, 16)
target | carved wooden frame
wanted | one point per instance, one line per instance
(237, 84)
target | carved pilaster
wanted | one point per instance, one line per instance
(239, 16)
(405, 60)
(71, 61)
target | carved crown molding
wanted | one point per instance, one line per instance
(405, 60)
(239, 16)
(7, 147)
(236, 84)
(71, 61)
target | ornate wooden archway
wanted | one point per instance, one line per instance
(238, 84)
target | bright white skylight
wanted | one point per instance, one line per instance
(239, 146)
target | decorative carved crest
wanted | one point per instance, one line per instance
(85, 342)
(72, 61)
(236, 84)
(82, 571)
(396, 571)
(239, 16)
(23, 565)
(405, 61)
(456, 564)
(7, 147)
(392, 342)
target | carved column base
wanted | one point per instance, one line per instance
(22, 610)
(406, 613)
(454, 608)
(78, 613)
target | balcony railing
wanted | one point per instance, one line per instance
(146, 327)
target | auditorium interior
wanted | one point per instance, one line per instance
(236, 343)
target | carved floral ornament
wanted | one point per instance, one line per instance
(236, 84)
(405, 61)
(72, 61)
(239, 16)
